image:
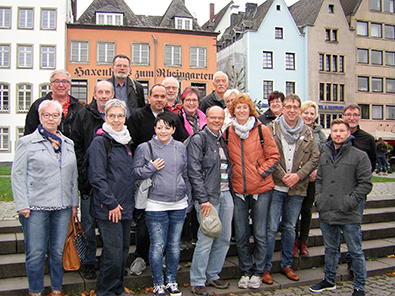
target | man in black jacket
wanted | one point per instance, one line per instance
(216, 98)
(87, 121)
(128, 90)
(60, 86)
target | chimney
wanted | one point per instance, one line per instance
(211, 12)
(251, 7)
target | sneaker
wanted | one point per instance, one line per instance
(199, 291)
(322, 286)
(138, 266)
(89, 272)
(243, 282)
(173, 289)
(218, 284)
(255, 282)
(159, 290)
(358, 293)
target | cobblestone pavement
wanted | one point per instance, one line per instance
(378, 285)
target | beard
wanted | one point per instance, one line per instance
(121, 75)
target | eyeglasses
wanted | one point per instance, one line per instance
(47, 115)
(352, 115)
(113, 116)
(191, 100)
(289, 107)
(57, 81)
(216, 117)
(121, 66)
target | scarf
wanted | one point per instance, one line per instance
(55, 140)
(291, 135)
(194, 127)
(122, 137)
(243, 131)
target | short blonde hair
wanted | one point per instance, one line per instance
(307, 104)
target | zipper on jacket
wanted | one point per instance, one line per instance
(243, 167)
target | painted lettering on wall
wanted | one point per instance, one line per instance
(80, 72)
(330, 107)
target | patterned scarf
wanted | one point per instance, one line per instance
(291, 135)
(55, 140)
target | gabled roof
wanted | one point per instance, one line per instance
(177, 9)
(255, 18)
(217, 18)
(109, 8)
(129, 18)
(305, 12)
(350, 7)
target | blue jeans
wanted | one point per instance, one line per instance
(259, 211)
(210, 253)
(116, 241)
(352, 236)
(287, 207)
(45, 230)
(382, 163)
(165, 228)
(88, 223)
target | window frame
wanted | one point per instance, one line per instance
(375, 51)
(378, 5)
(3, 11)
(380, 108)
(365, 78)
(41, 89)
(43, 10)
(290, 61)
(27, 9)
(198, 62)
(171, 60)
(184, 21)
(321, 62)
(79, 49)
(107, 56)
(26, 104)
(267, 59)
(106, 16)
(387, 55)
(385, 31)
(140, 53)
(76, 85)
(41, 56)
(267, 88)
(366, 54)
(278, 33)
(293, 86)
(2, 135)
(374, 81)
(376, 25)
(387, 112)
(31, 56)
(392, 80)
(4, 108)
(389, 2)
(3, 54)
(365, 111)
(366, 27)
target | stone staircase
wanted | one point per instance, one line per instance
(378, 242)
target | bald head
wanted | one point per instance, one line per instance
(103, 91)
(215, 117)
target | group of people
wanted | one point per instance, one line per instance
(234, 166)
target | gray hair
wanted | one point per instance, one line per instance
(169, 78)
(114, 103)
(100, 81)
(229, 92)
(48, 103)
(61, 71)
(218, 73)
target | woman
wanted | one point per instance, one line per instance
(44, 187)
(229, 96)
(381, 149)
(192, 118)
(167, 199)
(275, 101)
(309, 113)
(112, 178)
(254, 156)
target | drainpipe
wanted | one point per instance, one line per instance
(156, 52)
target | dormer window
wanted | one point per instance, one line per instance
(183, 23)
(114, 19)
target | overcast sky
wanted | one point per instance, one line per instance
(200, 9)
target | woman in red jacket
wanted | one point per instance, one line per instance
(254, 156)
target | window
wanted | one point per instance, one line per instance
(4, 139)
(24, 98)
(5, 17)
(389, 31)
(375, 5)
(25, 53)
(198, 57)
(328, 92)
(79, 51)
(389, 6)
(4, 98)
(334, 92)
(328, 34)
(377, 112)
(140, 53)
(48, 19)
(45, 88)
(377, 57)
(363, 56)
(322, 91)
(267, 88)
(341, 92)
(377, 84)
(365, 111)
(79, 89)
(48, 57)
(331, 8)
(334, 35)
(19, 132)
(113, 19)
(334, 63)
(172, 55)
(267, 60)
(105, 52)
(289, 61)
(4, 56)
(328, 62)
(278, 7)
(289, 87)
(363, 83)
(376, 30)
(390, 112)
(278, 33)
(341, 64)
(25, 18)
(362, 28)
(390, 58)
(321, 62)
(183, 23)
(331, 34)
(390, 85)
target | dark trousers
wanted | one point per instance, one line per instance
(142, 239)
(303, 228)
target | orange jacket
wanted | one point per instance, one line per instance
(252, 165)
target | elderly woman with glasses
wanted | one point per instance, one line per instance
(111, 175)
(44, 187)
(192, 118)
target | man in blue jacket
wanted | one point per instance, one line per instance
(338, 202)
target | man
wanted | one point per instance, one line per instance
(338, 203)
(275, 100)
(298, 158)
(128, 90)
(173, 103)
(209, 172)
(220, 83)
(87, 121)
(60, 86)
(141, 128)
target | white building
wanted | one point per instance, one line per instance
(32, 45)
